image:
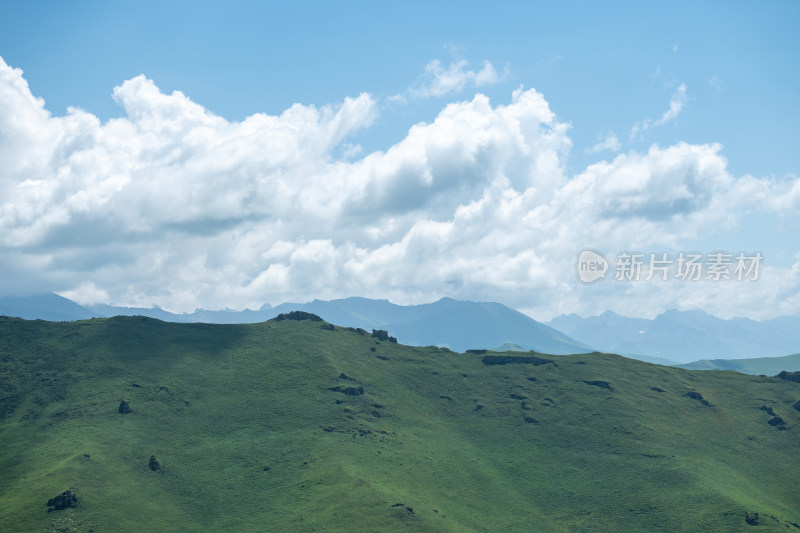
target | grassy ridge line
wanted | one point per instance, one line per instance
(435, 431)
(759, 365)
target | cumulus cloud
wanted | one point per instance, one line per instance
(175, 206)
(676, 104)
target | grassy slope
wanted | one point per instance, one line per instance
(217, 404)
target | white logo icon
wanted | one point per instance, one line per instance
(591, 266)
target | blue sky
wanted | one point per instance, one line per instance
(619, 79)
(602, 67)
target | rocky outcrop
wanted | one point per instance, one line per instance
(790, 376)
(297, 315)
(383, 335)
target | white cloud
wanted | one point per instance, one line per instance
(676, 104)
(716, 84)
(86, 293)
(610, 142)
(439, 81)
(175, 206)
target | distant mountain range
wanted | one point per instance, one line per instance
(50, 307)
(684, 336)
(458, 325)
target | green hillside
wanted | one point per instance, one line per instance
(296, 425)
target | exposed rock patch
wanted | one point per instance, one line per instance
(515, 360)
(124, 407)
(408, 507)
(697, 396)
(63, 501)
(777, 421)
(350, 391)
(602, 384)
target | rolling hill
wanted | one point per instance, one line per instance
(458, 325)
(299, 425)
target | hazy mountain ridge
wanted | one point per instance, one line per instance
(684, 336)
(44, 307)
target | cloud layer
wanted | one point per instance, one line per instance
(174, 206)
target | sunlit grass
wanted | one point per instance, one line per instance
(250, 436)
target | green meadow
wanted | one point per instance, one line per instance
(298, 425)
